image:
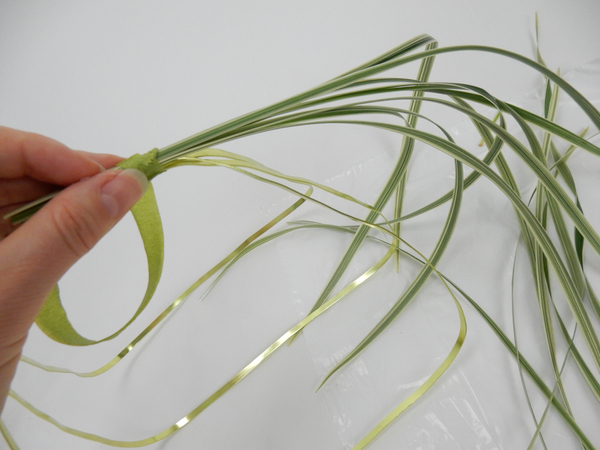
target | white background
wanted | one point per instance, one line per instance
(127, 76)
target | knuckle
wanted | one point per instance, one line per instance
(76, 231)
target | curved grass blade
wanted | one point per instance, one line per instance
(384, 62)
(235, 160)
(545, 201)
(407, 144)
(419, 281)
(586, 106)
(520, 368)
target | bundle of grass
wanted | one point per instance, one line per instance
(365, 97)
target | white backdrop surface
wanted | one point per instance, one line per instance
(125, 77)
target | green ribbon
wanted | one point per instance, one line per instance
(52, 318)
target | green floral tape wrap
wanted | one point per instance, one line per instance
(146, 163)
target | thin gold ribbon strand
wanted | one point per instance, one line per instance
(416, 395)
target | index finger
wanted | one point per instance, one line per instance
(24, 154)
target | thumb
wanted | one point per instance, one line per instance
(35, 256)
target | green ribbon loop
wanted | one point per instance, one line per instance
(53, 319)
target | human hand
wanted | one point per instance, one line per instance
(35, 255)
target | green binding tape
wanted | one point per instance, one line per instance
(53, 319)
(146, 163)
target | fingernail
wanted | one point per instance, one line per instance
(122, 192)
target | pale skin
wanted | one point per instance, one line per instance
(36, 254)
